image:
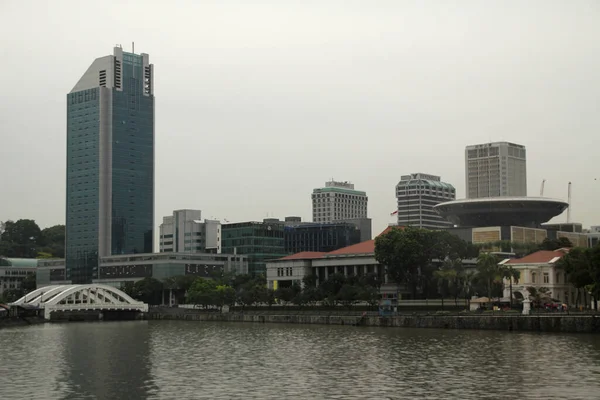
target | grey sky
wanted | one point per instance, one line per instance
(259, 102)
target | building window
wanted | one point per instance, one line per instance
(533, 277)
(546, 278)
(557, 277)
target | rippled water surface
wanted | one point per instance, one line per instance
(196, 360)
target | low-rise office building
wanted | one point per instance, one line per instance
(116, 270)
(258, 241)
(320, 237)
(184, 231)
(13, 271)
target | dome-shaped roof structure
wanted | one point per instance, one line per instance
(501, 211)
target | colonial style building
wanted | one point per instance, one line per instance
(538, 270)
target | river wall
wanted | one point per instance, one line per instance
(525, 323)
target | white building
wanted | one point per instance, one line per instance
(338, 201)
(416, 195)
(538, 270)
(495, 169)
(184, 231)
(594, 236)
(14, 270)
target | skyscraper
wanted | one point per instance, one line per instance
(417, 194)
(110, 163)
(338, 201)
(495, 169)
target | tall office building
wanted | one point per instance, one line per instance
(495, 169)
(338, 201)
(184, 231)
(110, 163)
(416, 195)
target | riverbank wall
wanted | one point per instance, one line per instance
(519, 323)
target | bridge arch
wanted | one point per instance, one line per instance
(80, 297)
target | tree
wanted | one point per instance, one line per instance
(21, 238)
(29, 283)
(128, 287)
(577, 265)
(202, 292)
(225, 295)
(148, 290)
(508, 272)
(405, 253)
(487, 268)
(446, 278)
(53, 240)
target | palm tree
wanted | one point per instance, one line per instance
(508, 272)
(487, 268)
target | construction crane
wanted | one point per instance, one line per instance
(569, 206)
(542, 188)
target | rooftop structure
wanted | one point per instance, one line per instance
(338, 201)
(416, 195)
(495, 169)
(501, 211)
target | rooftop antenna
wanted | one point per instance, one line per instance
(569, 206)
(542, 188)
(133, 47)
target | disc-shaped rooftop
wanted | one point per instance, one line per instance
(501, 211)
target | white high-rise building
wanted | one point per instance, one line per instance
(338, 201)
(184, 231)
(495, 169)
(417, 194)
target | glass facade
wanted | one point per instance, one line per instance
(132, 162)
(320, 237)
(83, 116)
(259, 241)
(126, 118)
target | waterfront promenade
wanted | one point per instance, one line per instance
(551, 322)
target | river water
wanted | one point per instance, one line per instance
(199, 360)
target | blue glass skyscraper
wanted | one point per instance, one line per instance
(110, 163)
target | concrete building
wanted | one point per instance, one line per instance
(259, 241)
(594, 236)
(110, 163)
(538, 270)
(13, 271)
(495, 169)
(416, 195)
(184, 231)
(116, 270)
(338, 201)
(320, 237)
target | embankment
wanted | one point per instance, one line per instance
(532, 323)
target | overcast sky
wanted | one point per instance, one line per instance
(259, 102)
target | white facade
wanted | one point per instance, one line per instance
(416, 195)
(540, 270)
(338, 201)
(594, 236)
(495, 169)
(184, 231)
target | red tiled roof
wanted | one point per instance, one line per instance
(389, 229)
(366, 247)
(358, 248)
(539, 257)
(304, 255)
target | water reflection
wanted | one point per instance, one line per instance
(191, 360)
(106, 360)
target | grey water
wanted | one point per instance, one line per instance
(199, 360)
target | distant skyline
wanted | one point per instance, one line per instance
(258, 103)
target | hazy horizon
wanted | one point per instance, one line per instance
(258, 104)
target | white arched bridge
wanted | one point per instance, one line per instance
(93, 297)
